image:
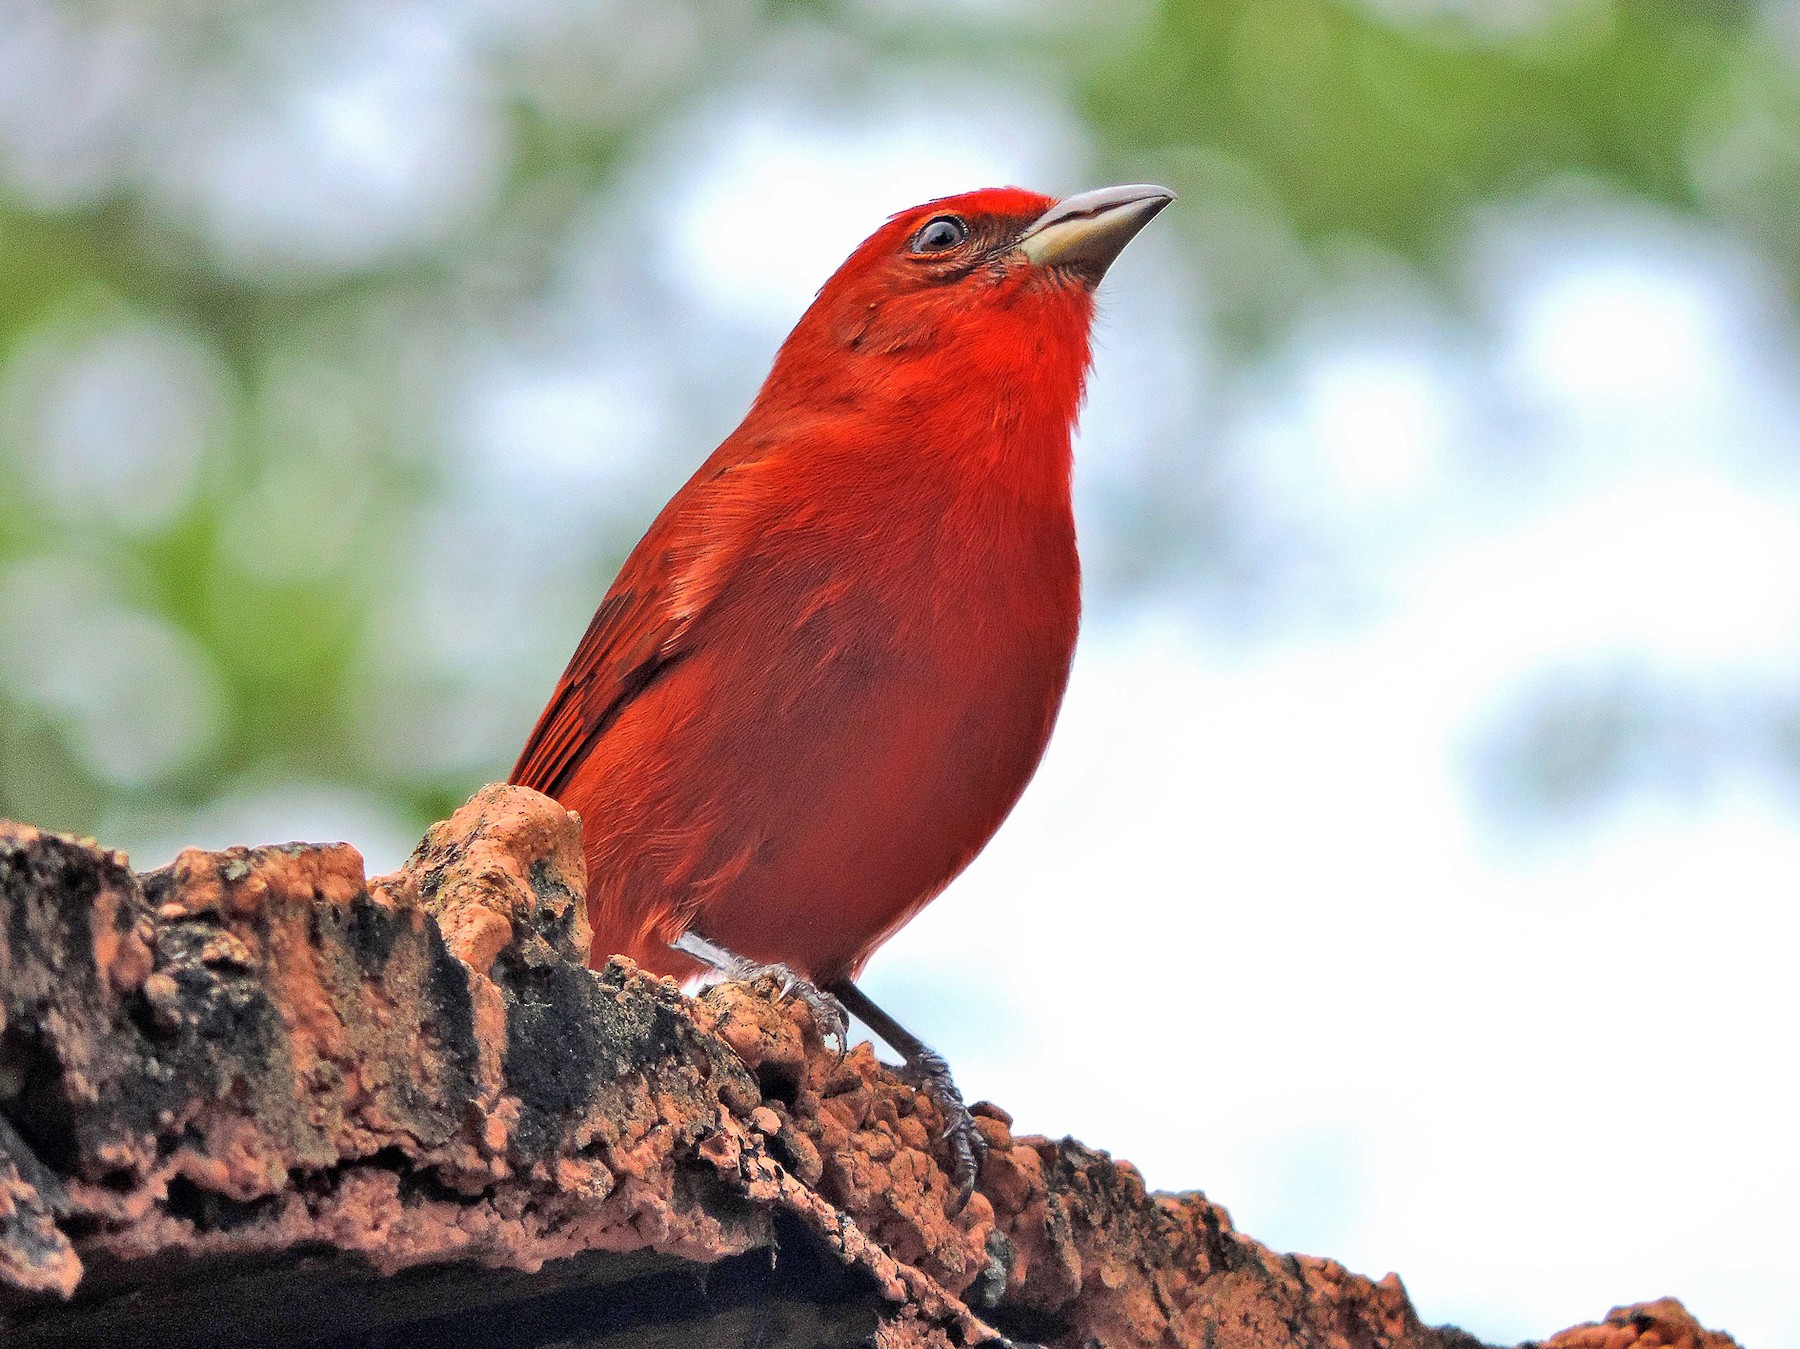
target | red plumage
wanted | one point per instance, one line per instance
(825, 674)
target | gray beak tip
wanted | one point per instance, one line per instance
(1084, 233)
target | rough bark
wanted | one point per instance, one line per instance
(254, 1098)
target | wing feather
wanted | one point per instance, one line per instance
(646, 623)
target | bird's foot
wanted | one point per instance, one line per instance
(827, 1012)
(928, 1069)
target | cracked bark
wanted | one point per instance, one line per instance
(254, 1098)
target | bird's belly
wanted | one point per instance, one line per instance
(872, 827)
(808, 828)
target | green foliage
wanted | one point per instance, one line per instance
(278, 579)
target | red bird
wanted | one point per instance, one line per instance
(826, 673)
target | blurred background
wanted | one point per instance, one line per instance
(1415, 866)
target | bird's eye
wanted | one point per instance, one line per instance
(940, 235)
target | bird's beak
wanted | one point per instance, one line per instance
(1084, 233)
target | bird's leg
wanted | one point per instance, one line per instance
(927, 1067)
(828, 1012)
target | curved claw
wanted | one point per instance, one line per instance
(968, 1148)
(827, 1012)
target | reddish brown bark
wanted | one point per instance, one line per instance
(240, 1095)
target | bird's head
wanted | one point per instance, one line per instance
(992, 285)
